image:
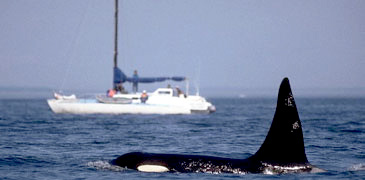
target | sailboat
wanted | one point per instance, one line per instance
(118, 101)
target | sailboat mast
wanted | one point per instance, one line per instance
(116, 35)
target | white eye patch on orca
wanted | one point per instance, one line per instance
(152, 168)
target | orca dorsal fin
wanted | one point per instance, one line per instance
(284, 143)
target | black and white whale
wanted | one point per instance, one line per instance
(282, 151)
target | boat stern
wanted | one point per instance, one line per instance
(211, 108)
(200, 105)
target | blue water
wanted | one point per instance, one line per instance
(37, 144)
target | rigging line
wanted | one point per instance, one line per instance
(70, 50)
(197, 80)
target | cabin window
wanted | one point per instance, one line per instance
(164, 92)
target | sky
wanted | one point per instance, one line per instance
(225, 46)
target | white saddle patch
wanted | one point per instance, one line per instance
(152, 168)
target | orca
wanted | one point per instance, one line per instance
(281, 152)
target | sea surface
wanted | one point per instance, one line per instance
(38, 144)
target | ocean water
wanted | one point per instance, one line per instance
(38, 144)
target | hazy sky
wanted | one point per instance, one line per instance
(68, 44)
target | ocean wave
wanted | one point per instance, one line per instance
(357, 167)
(22, 160)
(104, 165)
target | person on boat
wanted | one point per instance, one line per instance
(111, 92)
(57, 96)
(144, 96)
(180, 93)
(120, 89)
(135, 81)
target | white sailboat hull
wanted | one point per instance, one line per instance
(80, 107)
(162, 101)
